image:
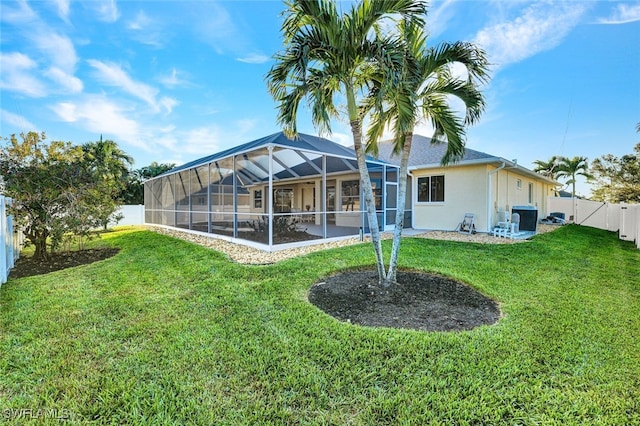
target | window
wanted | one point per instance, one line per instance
(431, 189)
(350, 195)
(282, 200)
(519, 183)
(257, 199)
(530, 193)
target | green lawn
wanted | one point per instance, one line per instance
(167, 332)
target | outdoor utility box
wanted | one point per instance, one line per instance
(528, 217)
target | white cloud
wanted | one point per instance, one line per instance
(438, 16)
(146, 30)
(58, 48)
(345, 139)
(17, 121)
(540, 27)
(254, 58)
(54, 54)
(102, 116)
(68, 82)
(140, 22)
(174, 79)
(113, 75)
(623, 14)
(19, 15)
(63, 9)
(107, 10)
(16, 75)
(205, 140)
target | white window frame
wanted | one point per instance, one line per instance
(430, 202)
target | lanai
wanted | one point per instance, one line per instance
(272, 192)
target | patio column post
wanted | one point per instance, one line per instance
(209, 214)
(323, 197)
(269, 199)
(234, 176)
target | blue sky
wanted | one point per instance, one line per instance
(172, 81)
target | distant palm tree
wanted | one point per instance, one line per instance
(573, 167)
(424, 90)
(107, 162)
(329, 54)
(548, 168)
(107, 159)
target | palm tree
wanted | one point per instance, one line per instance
(109, 165)
(423, 90)
(547, 168)
(107, 159)
(329, 54)
(571, 168)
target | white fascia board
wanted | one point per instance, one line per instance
(491, 160)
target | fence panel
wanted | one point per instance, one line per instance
(591, 213)
(10, 241)
(613, 217)
(621, 218)
(628, 225)
(637, 209)
(131, 214)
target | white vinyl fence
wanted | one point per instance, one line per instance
(10, 240)
(621, 218)
(131, 214)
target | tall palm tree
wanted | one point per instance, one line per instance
(547, 168)
(330, 54)
(571, 168)
(423, 90)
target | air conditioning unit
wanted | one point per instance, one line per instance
(528, 217)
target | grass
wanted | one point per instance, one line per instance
(167, 332)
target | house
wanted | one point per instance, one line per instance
(486, 185)
(272, 193)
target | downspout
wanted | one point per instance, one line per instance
(489, 196)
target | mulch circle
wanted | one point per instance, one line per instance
(419, 301)
(28, 266)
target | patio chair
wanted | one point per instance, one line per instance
(467, 226)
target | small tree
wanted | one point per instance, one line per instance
(617, 179)
(56, 187)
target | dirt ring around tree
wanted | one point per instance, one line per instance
(420, 301)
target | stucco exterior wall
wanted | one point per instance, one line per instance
(467, 191)
(510, 193)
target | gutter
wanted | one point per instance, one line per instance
(491, 160)
(489, 197)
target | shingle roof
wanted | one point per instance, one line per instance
(423, 153)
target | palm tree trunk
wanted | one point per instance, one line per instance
(399, 225)
(369, 200)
